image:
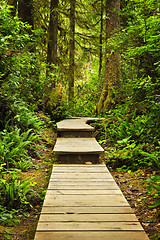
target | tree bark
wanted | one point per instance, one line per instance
(25, 11)
(53, 32)
(71, 55)
(101, 41)
(112, 74)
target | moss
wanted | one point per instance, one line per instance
(53, 104)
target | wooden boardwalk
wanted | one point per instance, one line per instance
(83, 202)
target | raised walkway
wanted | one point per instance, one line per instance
(83, 202)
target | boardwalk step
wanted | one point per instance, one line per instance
(78, 150)
(77, 127)
(85, 235)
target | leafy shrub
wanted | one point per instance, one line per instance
(132, 131)
(153, 187)
(85, 99)
(25, 117)
(19, 65)
(8, 216)
(13, 192)
(13, 146)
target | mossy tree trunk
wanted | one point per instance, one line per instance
(71, 55)
(111, 88)
(101, 40)
(52, 98)
(52, 42)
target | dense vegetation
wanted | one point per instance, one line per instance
(72, 84)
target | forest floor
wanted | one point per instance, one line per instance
(132, 185)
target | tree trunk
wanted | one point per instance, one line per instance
(101, 41)
(25, 11)
(112, 76)
(13, 3)
(53, 32)
(71, 55)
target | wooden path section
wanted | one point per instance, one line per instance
(83, 202)
(75, 143)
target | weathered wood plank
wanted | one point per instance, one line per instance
(81, 175)
(89, 226)
(83, 192)
(73, 124)
(116, 235)
(90, 200)
(80, 168)
(83, 210)
(100, 165)
(83, 180)
(88, 218)
(77, 145)
(82, 186)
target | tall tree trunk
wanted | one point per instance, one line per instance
(101, 41)
(25, 11)
(71, 54)
(53, 32)
(13, 3)
(112, 76)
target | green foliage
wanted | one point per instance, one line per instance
(52, 105)
(26, 117)
(13, 146)
(23, 165)
(86, 97)
(139, 38)
(16, 195)
(19, 65)
(8, 216)
(13, 192)
(153, 187)
(127, 128)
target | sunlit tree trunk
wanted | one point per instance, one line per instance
(53, 32)
(111, 88)
(71, 54)
(25, 11)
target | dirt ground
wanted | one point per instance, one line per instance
(133, 187)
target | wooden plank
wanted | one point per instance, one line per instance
(81, 175)
(82, 210)
(83, 180)
(84, 168)
(114, 235)
(77, 124)
(81, 170)
(82, 186)
(100, 165)
(89, 226)
(83, 192)
(77, 145)
(83, 200)
(73, 124)
(88, 218)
